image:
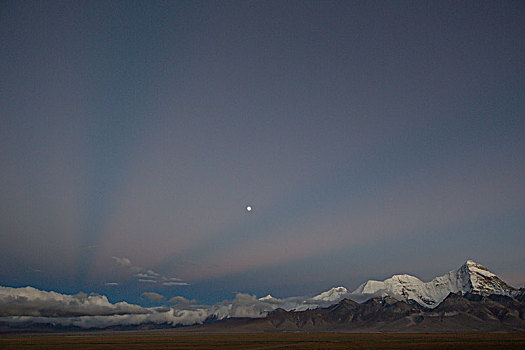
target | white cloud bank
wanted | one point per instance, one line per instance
(30, 301)
(30, 305)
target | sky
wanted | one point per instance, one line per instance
(370, 138)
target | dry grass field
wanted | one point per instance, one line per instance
(167, 340)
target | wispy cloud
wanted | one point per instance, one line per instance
(144, 275)
(173, 283)
(111, 284)
(123, 261)
(181, 300)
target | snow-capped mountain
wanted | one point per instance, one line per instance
(470, 277)
(268, 297)
(332, 294)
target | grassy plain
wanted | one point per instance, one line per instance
(168, 340)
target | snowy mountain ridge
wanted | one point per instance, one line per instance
(470, 277)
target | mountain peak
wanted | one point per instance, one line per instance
(268, 297)
(475, 269)
(332, 294)
(484, 282)
(404, 278)
(472, 264)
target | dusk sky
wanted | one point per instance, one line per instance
(370, 138)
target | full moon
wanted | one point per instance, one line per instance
(248, 208)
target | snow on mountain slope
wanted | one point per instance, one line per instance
(470, 277)
(268, 297)
(485, 282)
(332, 294)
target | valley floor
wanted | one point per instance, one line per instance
(170, 340)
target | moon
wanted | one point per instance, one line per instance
(249, 208)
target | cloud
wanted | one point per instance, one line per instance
(122, 261)
(30, 305)
(175, 284)
(111, 284)
(29, 301)
(181, 300)
(152, 296)
(147, 275)
(170, 316)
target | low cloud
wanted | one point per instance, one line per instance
(152, 296)
(30, 301)
(147, 275)
(30, 305)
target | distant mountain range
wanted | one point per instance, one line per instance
(471, 277)
(470, 298)
(456, 313)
